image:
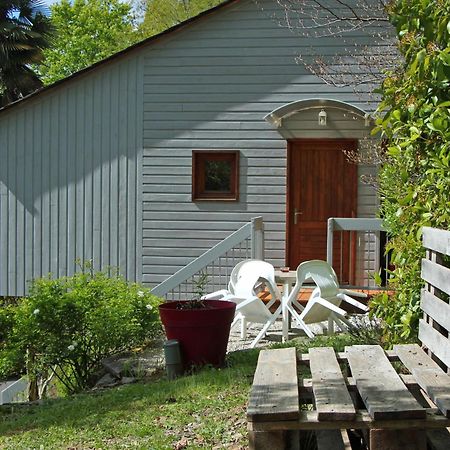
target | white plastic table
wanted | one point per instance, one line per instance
(287, 279)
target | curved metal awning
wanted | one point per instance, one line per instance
(277, 115)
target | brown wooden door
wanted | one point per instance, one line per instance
(321, 184)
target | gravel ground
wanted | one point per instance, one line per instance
(127, 367)
(272, 336)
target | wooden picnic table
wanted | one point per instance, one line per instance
(358, 389)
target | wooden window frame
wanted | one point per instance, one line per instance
(199, 192)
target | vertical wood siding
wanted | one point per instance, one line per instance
(209, 87)
(70, 172)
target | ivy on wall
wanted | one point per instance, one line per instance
(414, 117)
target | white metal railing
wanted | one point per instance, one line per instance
(13, 391)
(366, 239)
(216, 263)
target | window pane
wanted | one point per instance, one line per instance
(218, 176)
(215, 175)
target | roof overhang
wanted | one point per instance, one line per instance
(276, 117)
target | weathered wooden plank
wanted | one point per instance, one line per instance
(306, 386)
(436, 240)
(274, 394)
(329, 440)
(438, 439)
(304, 358)
(331, 395)
(436, 384)
(308, 421)
(436, 275)
(380, 387)
(413, 357)
(428, 375)
(435, 342)
(398, 439)
(275, 440)
(436, 308)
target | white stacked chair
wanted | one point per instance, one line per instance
(246, 280)
(326, 298)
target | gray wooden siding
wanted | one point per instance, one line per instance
(209, 87)
(70, 178)
(100, 167)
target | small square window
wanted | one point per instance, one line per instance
(215, 175)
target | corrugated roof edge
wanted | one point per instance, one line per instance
(120, 54)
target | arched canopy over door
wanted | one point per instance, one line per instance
(301, 117)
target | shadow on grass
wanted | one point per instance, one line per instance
(149, 399)
(156, 409)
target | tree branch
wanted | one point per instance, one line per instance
(369, 44)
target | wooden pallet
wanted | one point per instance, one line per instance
(360, 388)
(375, 399)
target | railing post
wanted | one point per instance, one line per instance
(377, 259)
(330, 229)
(257, 237)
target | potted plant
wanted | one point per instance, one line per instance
(202, 327)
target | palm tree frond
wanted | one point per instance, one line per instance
(25, 31)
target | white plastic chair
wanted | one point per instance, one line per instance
(325, 300)
(246, 279)
(219, 295)
(250, 269)
(266, 273)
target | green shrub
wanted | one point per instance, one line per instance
(67, 326)
(12, 358)
(414, 117)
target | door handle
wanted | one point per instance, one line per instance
(296, 214)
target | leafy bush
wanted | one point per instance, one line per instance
(12, 358)
(414, 117)
(67, 326)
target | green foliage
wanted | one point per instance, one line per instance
(163, 14)
(205, 410)
(69, 325)
(87, 31)
(414, 117)
(12, 358)
(401, 311)
(25, 32)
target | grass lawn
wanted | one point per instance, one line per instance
(199, 411)
(205, 410)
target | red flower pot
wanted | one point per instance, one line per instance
(202, 333)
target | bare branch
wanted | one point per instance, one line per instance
(368, 46)
(330, 16)
(370, 152)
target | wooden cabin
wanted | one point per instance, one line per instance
(150, 157)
